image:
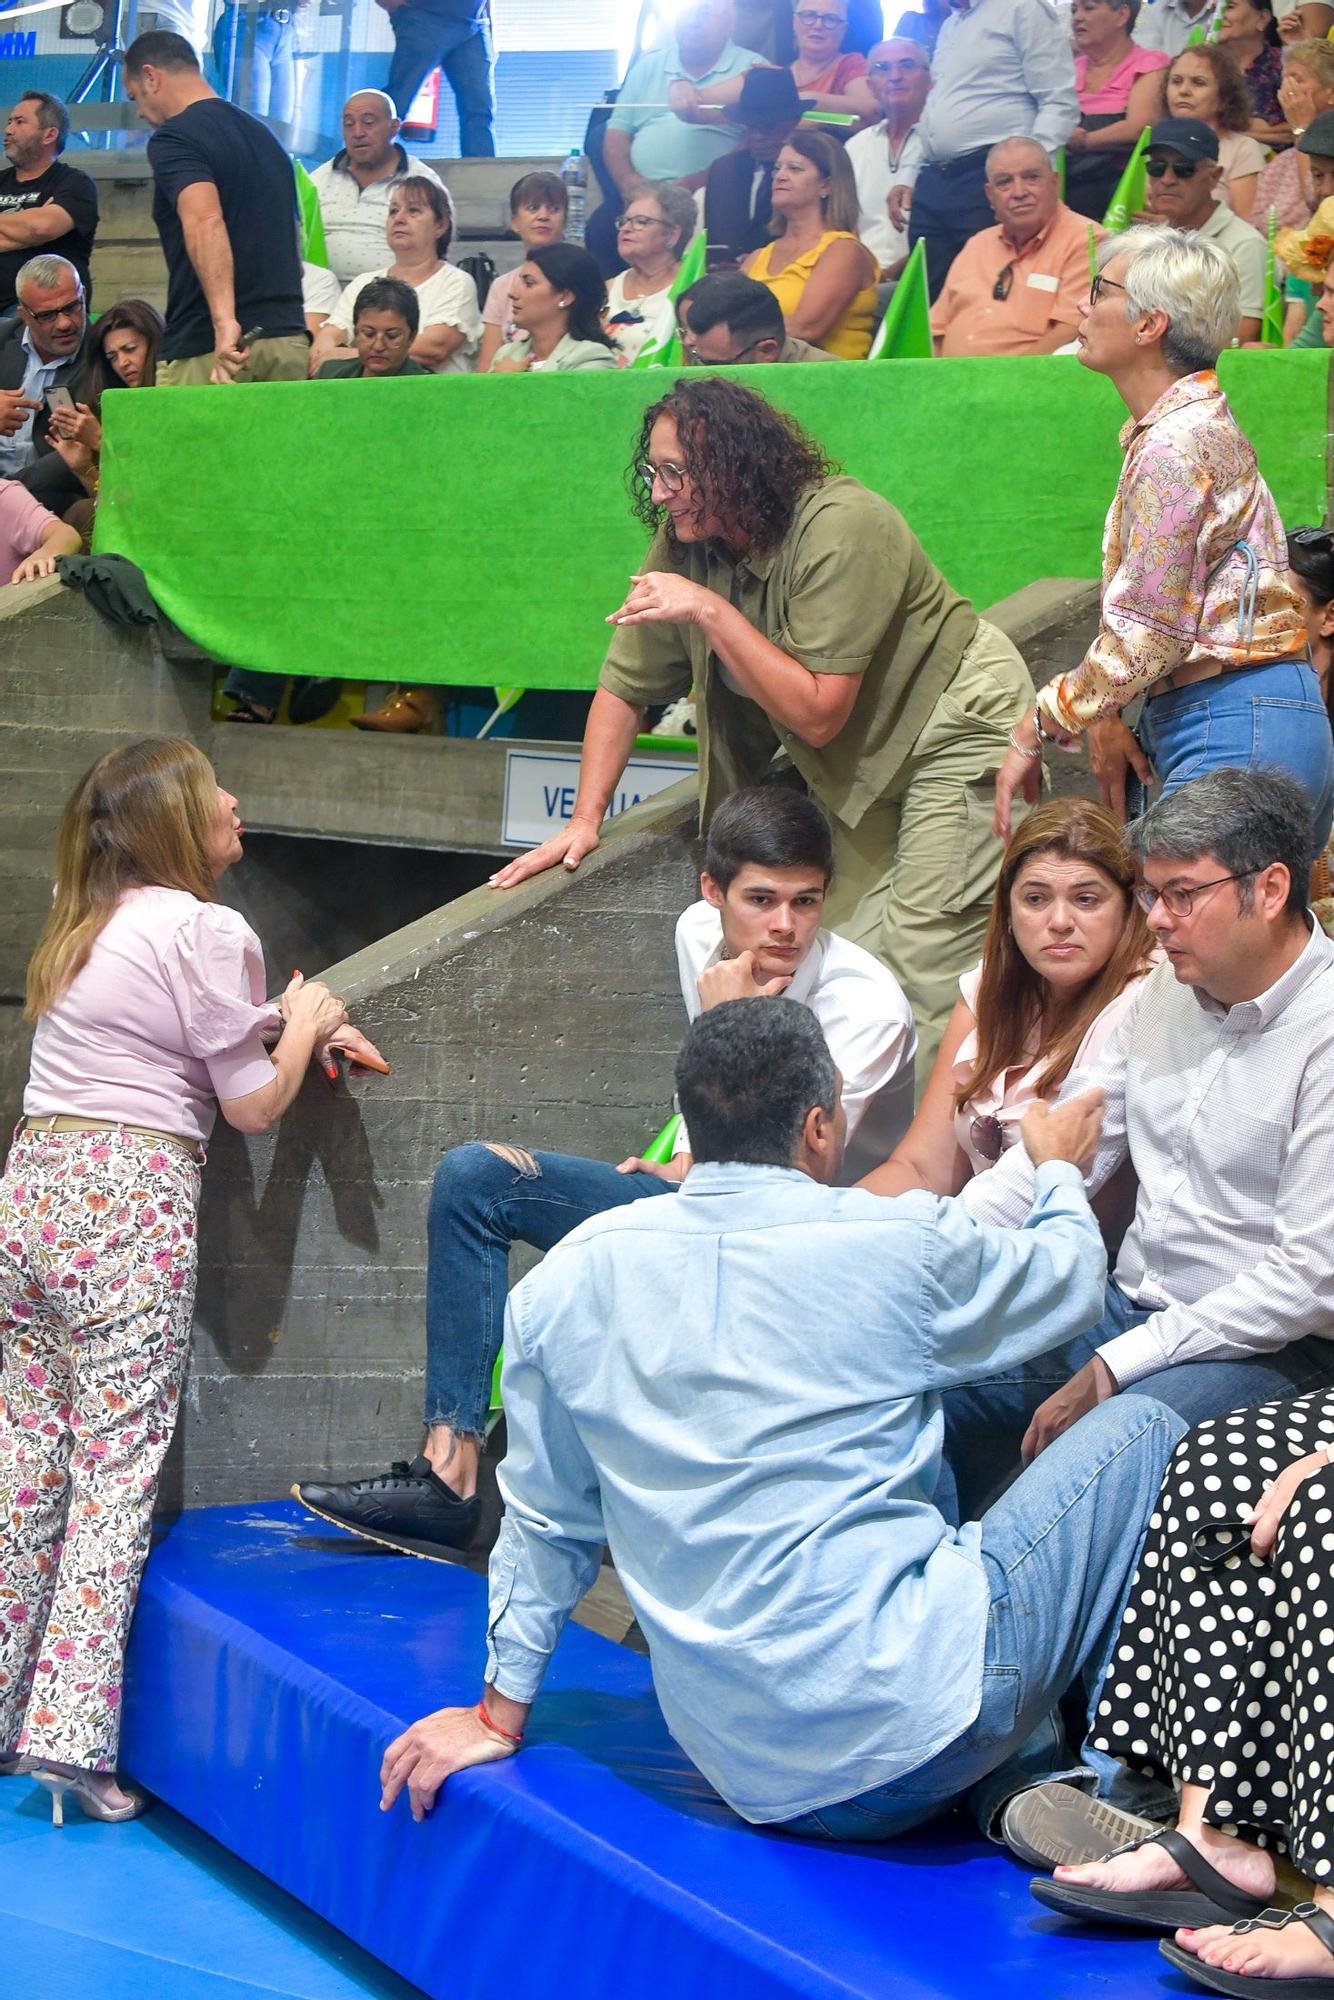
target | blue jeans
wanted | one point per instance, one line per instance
(269, 90)
(463, 50)
(985, 1424)
(1258, 715)
(481, 1202)
(1060, 1551)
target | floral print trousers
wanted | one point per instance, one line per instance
(97, 1286)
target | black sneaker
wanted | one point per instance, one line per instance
(409, 1507)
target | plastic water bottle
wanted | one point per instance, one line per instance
(576, 186)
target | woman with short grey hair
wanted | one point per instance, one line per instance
(1199, 616)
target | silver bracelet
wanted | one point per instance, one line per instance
(1023, 748)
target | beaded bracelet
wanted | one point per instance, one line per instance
(1023, 748)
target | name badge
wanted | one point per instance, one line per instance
(1040, 282)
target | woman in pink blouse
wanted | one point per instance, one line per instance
(1119, 87)
(148, 998)
(31, 536)
(1066, 951)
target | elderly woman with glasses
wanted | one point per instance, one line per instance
(828, 77)
(651, 235)
(1198, 614)
(808, 619)
(1066, 953)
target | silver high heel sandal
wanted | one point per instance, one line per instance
(79, 1783)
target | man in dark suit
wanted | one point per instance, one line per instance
(737, 188)
(42, 347)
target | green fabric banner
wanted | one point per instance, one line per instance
(477, 528)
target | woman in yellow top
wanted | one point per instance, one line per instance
(817, 268)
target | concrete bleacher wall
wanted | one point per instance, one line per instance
(548, 1017)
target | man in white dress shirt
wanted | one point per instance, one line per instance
(756, 934)
(899, 74)
(1220, 1091)
(1002, 70)
(354, 187)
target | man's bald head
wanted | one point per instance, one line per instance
(1022, 188)
(900, 77)
(370, 127)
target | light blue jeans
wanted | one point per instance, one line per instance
(1256, 716)
(1060, 1551)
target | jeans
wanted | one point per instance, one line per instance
(949, 205)
(482, 1200)
(267, 84)
(1257, 715)
(1060, 1551)
(463, 50)
(985, 1424)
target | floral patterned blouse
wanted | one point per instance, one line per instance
(1176, 589)
(1263, 78)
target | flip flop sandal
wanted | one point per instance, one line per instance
(1253, 1985)
(245, 712)
(1211, 1899)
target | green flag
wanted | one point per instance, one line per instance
(1130, 195)
(312, 222)
(904, 334)
(660, 1150)
(1271, 319)
(669, 353)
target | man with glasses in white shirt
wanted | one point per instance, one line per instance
(1220, 1091)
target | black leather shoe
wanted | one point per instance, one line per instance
(409, 1507)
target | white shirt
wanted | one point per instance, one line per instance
(447, 298)
(1168, 25)
(652, 318)
(320, 289)
(1002, 70)
(354, 217)
(1227, 1115)
(875, 171)
(1248, 251)
(867, 1023)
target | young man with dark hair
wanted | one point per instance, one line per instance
(756, 934)
(738, 1392)
(384, 325)
(224, 201)
(45, 205)
(733, 318)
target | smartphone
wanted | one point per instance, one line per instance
(255, 333)
(59, 399)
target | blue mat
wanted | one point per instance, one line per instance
(272, 1661)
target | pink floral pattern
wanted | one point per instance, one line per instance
(97, 1286)
(1172, 579)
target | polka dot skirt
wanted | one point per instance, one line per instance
(1223, 1674)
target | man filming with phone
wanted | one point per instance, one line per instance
(43, 350)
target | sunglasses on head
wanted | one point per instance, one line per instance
(1181, 170)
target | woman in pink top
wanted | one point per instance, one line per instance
(1066, 951)
(31, 537)
(148, 999)
(1120, 92)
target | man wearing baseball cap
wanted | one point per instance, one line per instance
(1181, 161)
(737, 188)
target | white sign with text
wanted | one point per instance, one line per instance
(540, 789)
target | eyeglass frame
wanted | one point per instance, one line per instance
(641, 222)
(1100, 283)
(901, 62)
(1180, 169)
(71, 308)
(985, 1133)
(729, 360)
(810, 19)
(1004, 284)
(672, 476)
(1146, 895)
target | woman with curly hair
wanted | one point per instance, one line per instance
(808, 619)
(1205, 83)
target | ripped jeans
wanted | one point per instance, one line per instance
(483, 1199)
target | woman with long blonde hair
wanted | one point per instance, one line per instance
(148, 1000)
(1066, 950)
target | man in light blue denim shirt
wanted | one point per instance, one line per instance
(739, 1392)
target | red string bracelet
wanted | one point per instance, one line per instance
(490, 1723)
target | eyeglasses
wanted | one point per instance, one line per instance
(893, 68)
(672, 476)
(71, 309)
(641, 222)
(810, 19)
(724, 360)
(987, 1138)
(1180, 170)
(1001, 288)
(1181, 902)
(1102, 283)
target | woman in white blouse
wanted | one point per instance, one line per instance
(419, 227)
(1066, 953)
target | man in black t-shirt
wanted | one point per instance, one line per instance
(224, 201)
(44, 205)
